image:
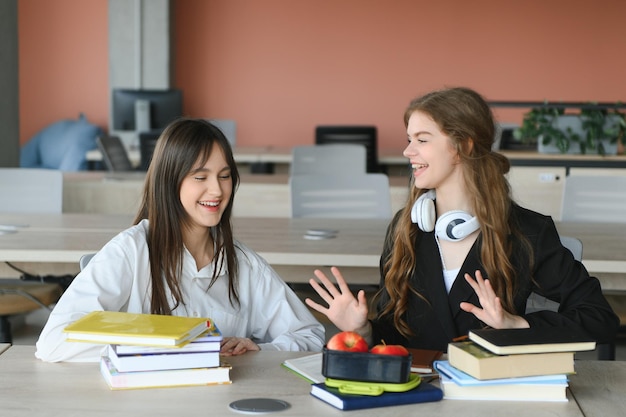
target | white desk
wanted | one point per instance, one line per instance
(31, 388)
(65, 238)
(599, 388)
(51, 239)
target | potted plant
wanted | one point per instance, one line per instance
(592, 129)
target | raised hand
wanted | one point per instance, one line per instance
(344, 310)
(491, 313)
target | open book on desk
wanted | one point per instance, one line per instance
(308, 367)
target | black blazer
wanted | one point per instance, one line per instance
(438, 318)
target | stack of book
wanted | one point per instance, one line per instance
(356, 395)
(512, 364)
(149, 351)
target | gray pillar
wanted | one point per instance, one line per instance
(139, 48)
(9, 91)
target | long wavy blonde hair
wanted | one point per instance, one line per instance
(464, 116)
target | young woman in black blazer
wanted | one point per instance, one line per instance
(462, 254)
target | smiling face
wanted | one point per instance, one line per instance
(434, 160)
(205, 192)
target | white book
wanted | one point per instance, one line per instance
(458, 385)
(190, 347)
(163, 378)
(162, 361)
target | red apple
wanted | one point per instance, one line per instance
(385, 349)
(348, 341)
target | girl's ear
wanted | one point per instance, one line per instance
(467, 148)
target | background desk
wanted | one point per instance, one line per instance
(63, 239)
(538, 188)
(268, 195)
(258, 195)
(243, 154)
(31, 388)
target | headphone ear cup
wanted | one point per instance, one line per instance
(423, 212)
(427, 216)
(455, 225)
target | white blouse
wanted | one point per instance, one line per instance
(118, 279)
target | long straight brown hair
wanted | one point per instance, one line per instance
(464, 116)
(181, 146)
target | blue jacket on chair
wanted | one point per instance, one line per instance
(63, 145)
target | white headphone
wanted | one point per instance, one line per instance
(453, 225)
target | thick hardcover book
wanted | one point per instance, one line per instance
(308, 367)
(480, 363)
(532, 340)
(163, 378)
(422, 360)
(207, 342)
(113, 327)
(458, 385)
(423, 393)
(162, 361)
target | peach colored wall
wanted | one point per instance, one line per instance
(279, 67)
(63, 62)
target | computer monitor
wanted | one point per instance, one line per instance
(360, 135)
(145, 110)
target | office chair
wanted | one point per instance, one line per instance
(228, 128)
(360, 135)
(114, 154)
(356, 196)
(31, 190)
(147, 143)
(328, 159)
(84, 260)
(25, 190)
(594, 198)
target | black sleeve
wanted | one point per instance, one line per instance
(559, 277)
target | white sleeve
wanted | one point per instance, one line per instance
(279, 319)
(104, 284)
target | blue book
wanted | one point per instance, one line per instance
(449, 372)
(423, 393)
(458, 385)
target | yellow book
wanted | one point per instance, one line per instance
(121, 328)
